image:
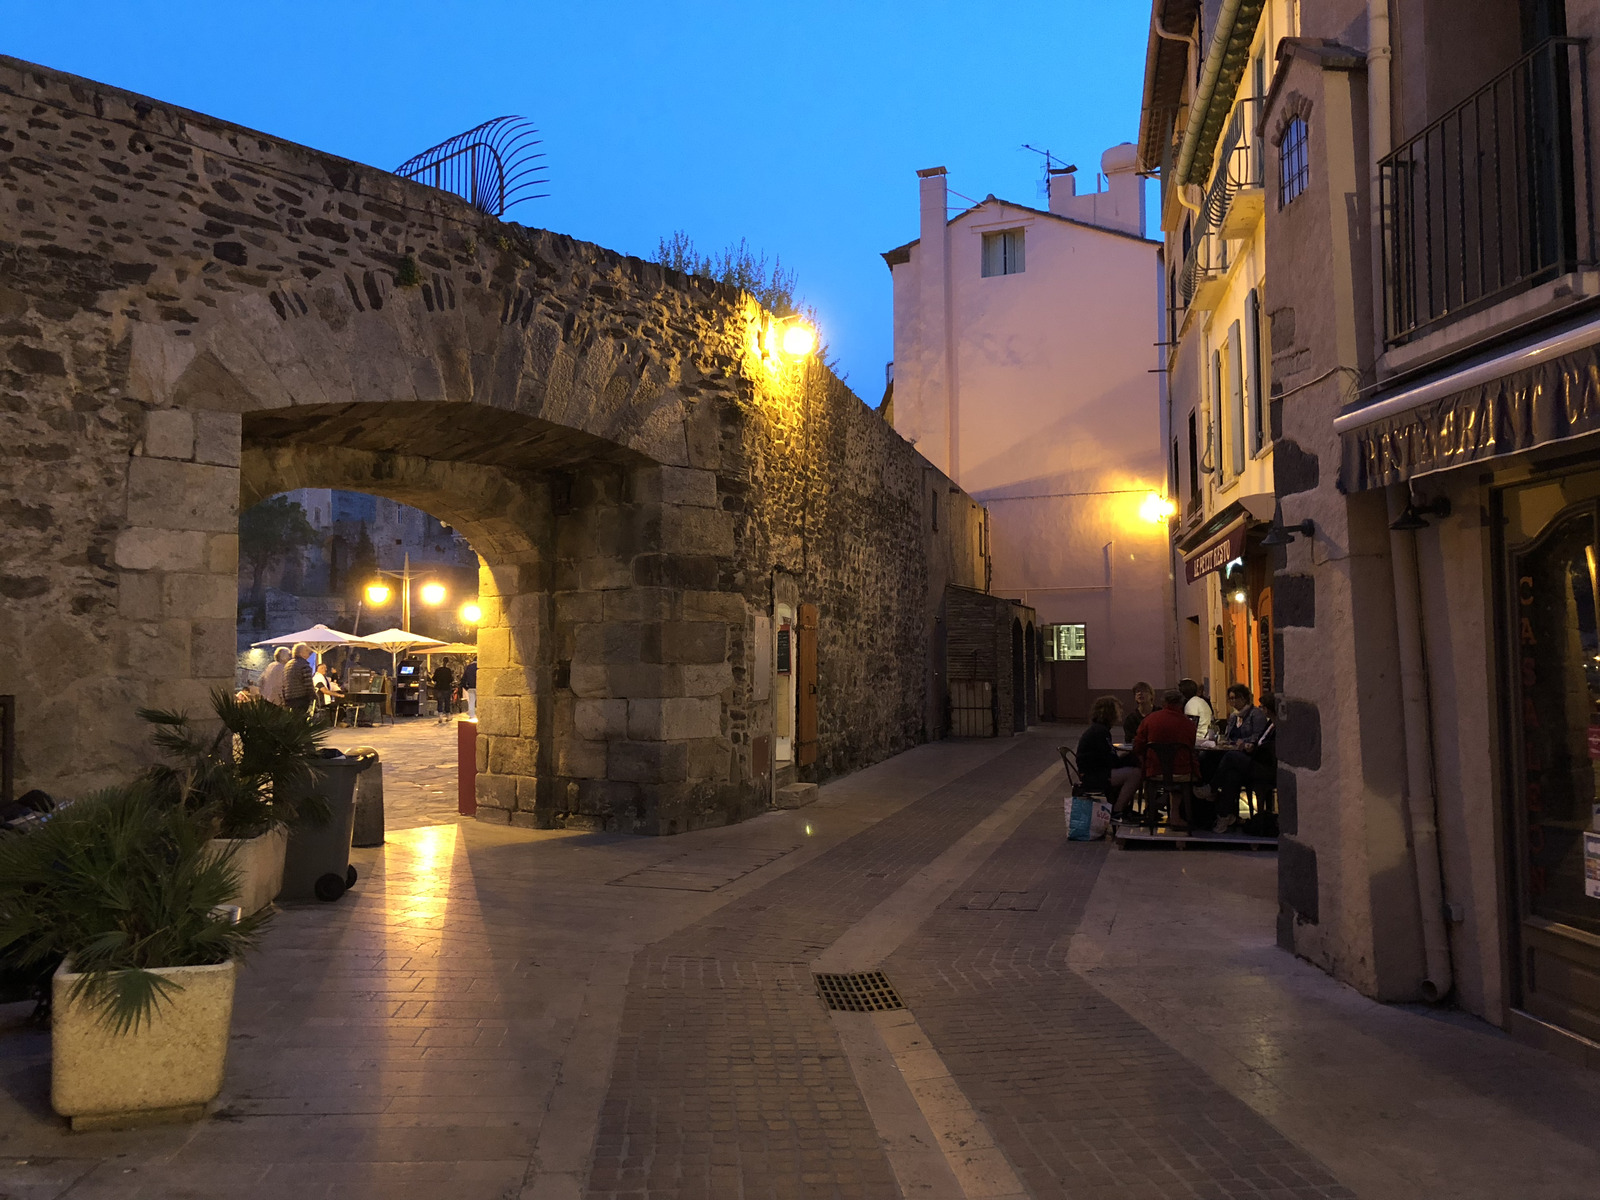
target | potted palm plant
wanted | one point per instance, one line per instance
(121, 890)
(246, 778)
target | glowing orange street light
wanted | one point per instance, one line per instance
(378, 593)
(433, 593)
(1157, 508)
(471, 614)
(799, 339)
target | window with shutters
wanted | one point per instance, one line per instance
(1003, 252)
(1236, 399)
(1255, 377)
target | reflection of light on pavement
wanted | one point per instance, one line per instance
(419, 878)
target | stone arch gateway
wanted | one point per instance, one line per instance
(195, 315)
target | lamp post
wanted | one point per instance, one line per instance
(433, 593)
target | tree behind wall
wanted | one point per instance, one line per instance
(773, 287)
(269, 533)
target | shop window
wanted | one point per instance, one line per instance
(1294, 161)
(1555, 648)
(1003, 253)
(1065, 643)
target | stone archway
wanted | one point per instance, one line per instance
(202, 315)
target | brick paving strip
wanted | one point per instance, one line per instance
(1084, 1100)
(729, 1078)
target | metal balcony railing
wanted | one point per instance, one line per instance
(1238, 167)
(1493, 198)
(1239, 153)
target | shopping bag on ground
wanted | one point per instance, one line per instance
(1088, 818)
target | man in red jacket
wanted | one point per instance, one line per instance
(1167, 726)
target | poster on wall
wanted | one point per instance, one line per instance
(1591, 865)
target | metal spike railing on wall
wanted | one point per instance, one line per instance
(492, 166)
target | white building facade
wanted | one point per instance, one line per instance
(1025, 369)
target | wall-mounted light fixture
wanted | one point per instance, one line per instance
(797, 338)
(1156, 508)
(1415, 515)
(1281, 534)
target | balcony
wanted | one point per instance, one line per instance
(1238, 176)
(1493, 199)
(1232, 207)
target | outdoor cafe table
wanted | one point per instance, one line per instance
(356, 701)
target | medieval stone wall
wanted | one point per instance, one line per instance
(191, 312)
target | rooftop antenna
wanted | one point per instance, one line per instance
(1052, 166)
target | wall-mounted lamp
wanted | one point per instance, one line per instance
(796, 338)
(1281, 534)
(1414, 517)
(1156, 508)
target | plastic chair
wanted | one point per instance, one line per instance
(1169, 783)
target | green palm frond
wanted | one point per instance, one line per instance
(120, 883)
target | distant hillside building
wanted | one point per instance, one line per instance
(1024, 368)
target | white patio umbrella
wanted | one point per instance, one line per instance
(398, 642)
(320, 638)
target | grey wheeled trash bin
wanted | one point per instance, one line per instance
(317, 864)
(369, 799)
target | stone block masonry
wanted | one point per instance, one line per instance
(194, 316)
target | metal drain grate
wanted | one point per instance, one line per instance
(865, 991)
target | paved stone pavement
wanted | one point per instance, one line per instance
(501, 1014)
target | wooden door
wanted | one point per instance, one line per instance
(805, 751)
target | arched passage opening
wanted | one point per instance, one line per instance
(602, 666)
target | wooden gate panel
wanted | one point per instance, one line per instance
(805, 749)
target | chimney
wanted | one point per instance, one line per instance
(1063, 187)
(934, 204)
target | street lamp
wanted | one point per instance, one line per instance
(378, 593)
(471, 614)
(1156, 508)
(799, 339)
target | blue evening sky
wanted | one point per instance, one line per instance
(797, 126)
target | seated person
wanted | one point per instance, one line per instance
(1144, 703)
(1245, 725)
(1246, 722)
(1252, 762)
(1167, 726)
(1196, 707)
(1102, 768)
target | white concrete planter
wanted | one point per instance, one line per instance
(260, 864)
(167, 1070)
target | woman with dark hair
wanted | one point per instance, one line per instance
(1102, 768)
(1144, 703)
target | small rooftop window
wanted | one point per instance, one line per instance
(1002, 252)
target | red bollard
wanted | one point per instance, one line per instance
(467, 768)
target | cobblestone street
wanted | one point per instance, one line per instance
(503, 1014)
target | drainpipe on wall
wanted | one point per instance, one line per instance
(1208, 86)
(1379, 143)
(1422, 801)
